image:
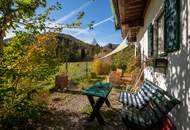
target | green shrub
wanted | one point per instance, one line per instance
(113, 67)
(124, 58)
(101, 67)
(24, 67)
(93, 75)
(123, 67)
(20, 104)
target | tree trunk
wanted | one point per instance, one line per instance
(1, 40)
(6, 18)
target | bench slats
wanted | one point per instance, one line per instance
(139, 99)
(148, 106)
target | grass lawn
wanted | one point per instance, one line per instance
(77, 70)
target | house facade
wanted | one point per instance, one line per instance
(161, 30)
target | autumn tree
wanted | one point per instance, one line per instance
(29, 58)
(16, 12)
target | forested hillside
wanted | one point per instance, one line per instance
(73, 49)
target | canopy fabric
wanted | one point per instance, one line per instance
(122, 46)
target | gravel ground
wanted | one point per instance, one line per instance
(70, 112)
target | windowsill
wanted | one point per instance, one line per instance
(163, 54)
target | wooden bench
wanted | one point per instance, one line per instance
(154, 109)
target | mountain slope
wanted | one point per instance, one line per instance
(75, 49)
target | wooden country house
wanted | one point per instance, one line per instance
(161, 31)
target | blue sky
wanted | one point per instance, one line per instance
(98, 11)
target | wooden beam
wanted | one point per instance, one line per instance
(116, 7)
(139, 22)
(135, 6)
(137, 3)
(130, 31)
(132, 39)
(124, 30)
(139, 10)
(132, 16)
(146, 7)
(132, 3)
(133, 22)
(121, 6)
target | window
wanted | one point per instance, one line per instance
(172, 25)
(150, 40)
(160, 34)
(164, 35)
(156, 35)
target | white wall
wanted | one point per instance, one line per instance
(142, 37)
(177, 79)
(178, 76)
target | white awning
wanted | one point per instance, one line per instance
(121, 46)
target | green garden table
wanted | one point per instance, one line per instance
(100, 90)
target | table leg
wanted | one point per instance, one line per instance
(96, 107)
(108, 103)
(91, 100)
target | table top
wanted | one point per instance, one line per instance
(99, 90)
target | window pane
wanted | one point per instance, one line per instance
(161, 34)
(172, 25)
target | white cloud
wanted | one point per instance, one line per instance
(72, 13)
(95, 25)
(103, 21)
(67, 30)
(87, 35)
(83, 34)
(11, 34)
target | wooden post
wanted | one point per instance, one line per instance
(135, 49)
(66, 67)
(61, 81)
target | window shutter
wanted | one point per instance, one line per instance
(150, 40)
(172, 25)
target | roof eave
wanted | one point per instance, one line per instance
(115, 12)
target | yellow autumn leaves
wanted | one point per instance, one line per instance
(26, 57)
